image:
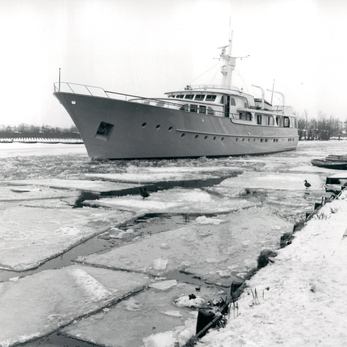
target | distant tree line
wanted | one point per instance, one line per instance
(44, 131)
(321, 128)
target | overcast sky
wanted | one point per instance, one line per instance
(147, 47)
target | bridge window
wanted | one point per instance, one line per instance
(202, 109)
(211, 97)
(232, 102)
(180, 96)
(199, 97)
(193, 108)
(189, 96)
(286, 122)
(184, 108)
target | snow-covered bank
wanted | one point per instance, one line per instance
(301, 298)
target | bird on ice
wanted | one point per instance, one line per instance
(144, 193)
(307, 184)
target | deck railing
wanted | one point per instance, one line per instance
(83, 89)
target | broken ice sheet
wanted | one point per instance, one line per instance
(213, 252)
(273, 181)
(74, 184)
(31, 193)
(39, 304)
(155, 318)
(176, 200)
(30, 236)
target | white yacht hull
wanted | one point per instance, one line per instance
(144, 131)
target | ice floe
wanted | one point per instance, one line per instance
(76, 184)
(177, 200)
(30, 236)
(30, 193)
(231, 245)
(156, 321)
(39, 304)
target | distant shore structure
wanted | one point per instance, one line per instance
(205, 120)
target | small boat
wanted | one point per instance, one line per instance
(335, 162)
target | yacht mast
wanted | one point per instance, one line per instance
(228, 63)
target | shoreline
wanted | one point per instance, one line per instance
(301, 297)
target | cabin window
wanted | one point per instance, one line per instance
(270, 120)
(245, 116)
(210, 111)
(180, 96)
(193, 108)
(104, 131)
(171, 96)
(286, 122)
(278, 121)
(184, 108)
(232, 102)
(202, 109)
(211, 97)
(259, 119)
(189, 96)
(199, 97)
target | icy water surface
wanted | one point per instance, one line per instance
(249, 204)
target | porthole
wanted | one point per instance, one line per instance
(214, 137)
(144, 124)
(237, 139)
(157, 126)
(222, 138)
(249, 139)
(205, 137)
(261, 140)
(265, 140)
(254, 140)
(183, 134)
(170, 129)
(196, 136)
(243, 139)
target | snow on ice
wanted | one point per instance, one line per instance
(30, 236)
(302, 296)
(155, 322)
(39, 304)
(209, 251)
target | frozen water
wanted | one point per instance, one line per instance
(30, 236)
(172, 173)
(203, 250)
(143, 177)
(82, 185)
(27, 193)
(39, 149)
(155, 322)
(175, 201)
(273, 181)
(39, 304)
